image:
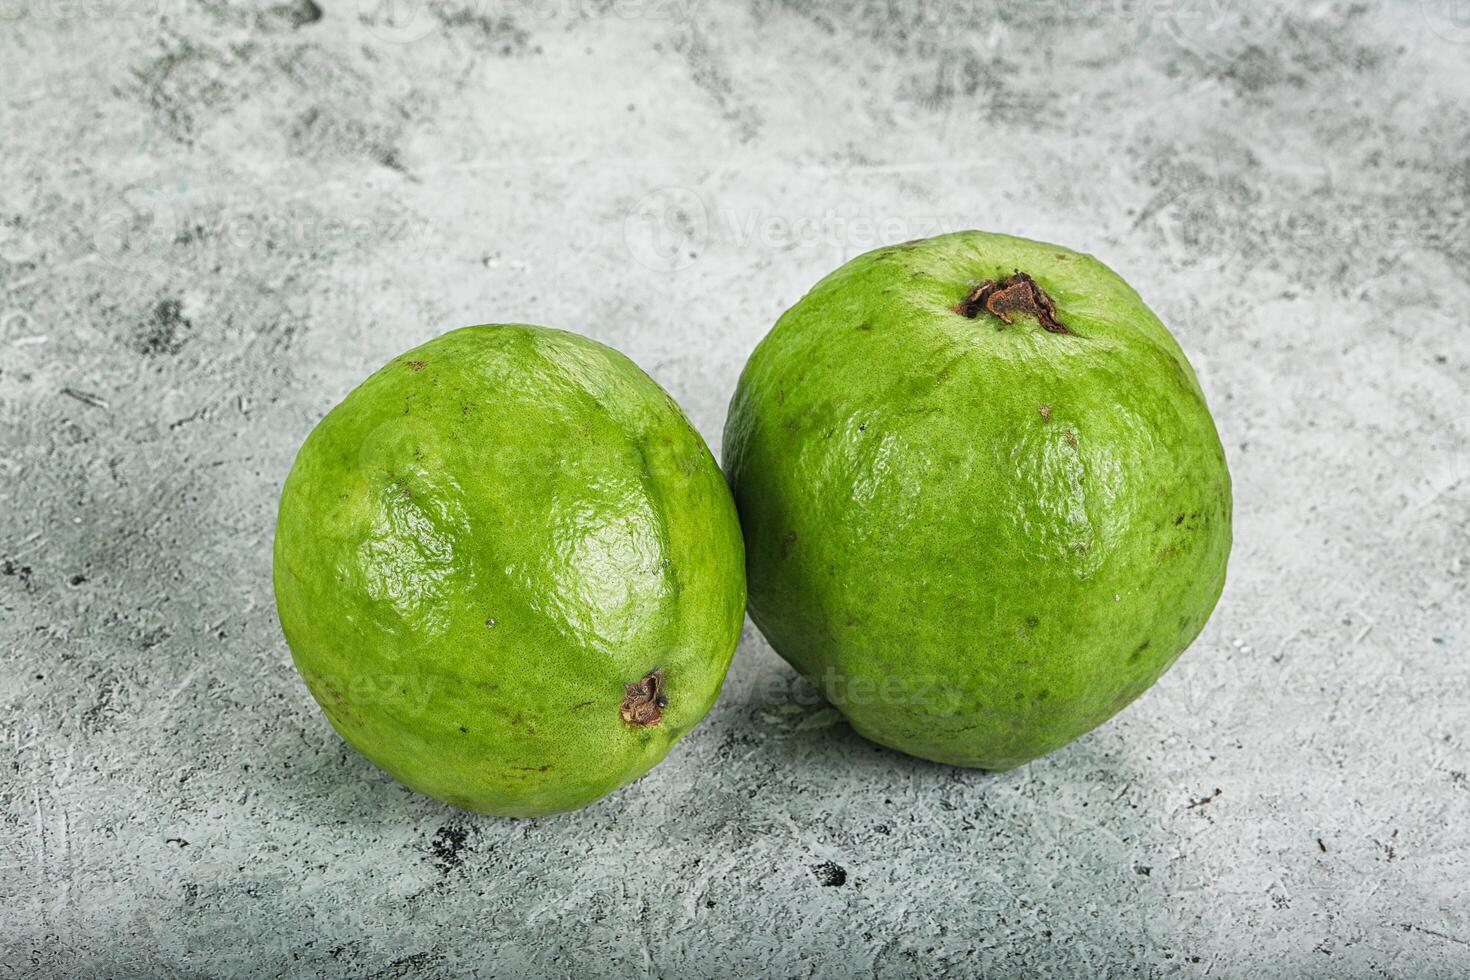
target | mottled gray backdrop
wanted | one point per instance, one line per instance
(216, 217)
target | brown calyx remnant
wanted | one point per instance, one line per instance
(1018, 293)
(645, 701)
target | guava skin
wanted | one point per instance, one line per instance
(980, 539)
(485, 544)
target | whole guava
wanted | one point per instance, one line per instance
(509, 570)
(984, 503)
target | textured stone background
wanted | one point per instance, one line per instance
(216, 217)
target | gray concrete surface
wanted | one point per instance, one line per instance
(216, 217)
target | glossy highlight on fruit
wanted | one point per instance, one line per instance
(509, 570)
(985, 505)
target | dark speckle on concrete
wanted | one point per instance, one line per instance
(152, 638)
(304, 12)
(323, 133)
(708, 70)
(448, 847)
(414, 965)
(829, 874)
(165, 330)
(502, 34)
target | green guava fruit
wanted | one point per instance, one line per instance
(984, 503)
(509, 570)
